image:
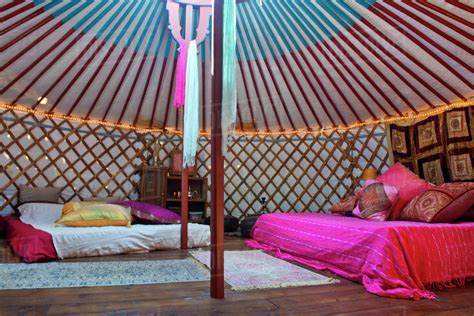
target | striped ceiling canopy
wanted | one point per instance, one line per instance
(302, 64)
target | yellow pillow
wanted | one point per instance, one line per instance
(76, 206)
(97, 215)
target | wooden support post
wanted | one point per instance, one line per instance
(184, 208)
(217, 162)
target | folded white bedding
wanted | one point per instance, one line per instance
(72, 242)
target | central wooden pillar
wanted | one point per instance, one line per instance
(217, 162)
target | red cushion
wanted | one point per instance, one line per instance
(441, 204)
(408, 183)
(345, 205)
(376, 201)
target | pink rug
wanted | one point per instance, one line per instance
(248, 270)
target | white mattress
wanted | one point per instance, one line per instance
(72, 242)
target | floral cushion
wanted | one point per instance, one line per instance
(444, 203)
(150, 212)
(97, 215)
(345, 205)
(408, 183)
(376, 201)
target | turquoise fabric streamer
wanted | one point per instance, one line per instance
(191, 108)
(229, 87)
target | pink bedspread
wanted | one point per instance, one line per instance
(394, 259)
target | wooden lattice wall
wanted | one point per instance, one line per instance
(295, 174)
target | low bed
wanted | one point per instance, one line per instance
(396, 259)
(43, 242)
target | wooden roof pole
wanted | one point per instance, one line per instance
(217, 161)
(185, 171)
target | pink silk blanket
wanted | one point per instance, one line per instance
(393, 259)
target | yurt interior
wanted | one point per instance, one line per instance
(244, 157)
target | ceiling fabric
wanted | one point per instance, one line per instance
(301, 64)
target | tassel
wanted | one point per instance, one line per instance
(229, 87)
(179, 95)
(191, 108)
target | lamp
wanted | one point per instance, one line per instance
(369, 174)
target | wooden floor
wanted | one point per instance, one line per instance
(193, 298)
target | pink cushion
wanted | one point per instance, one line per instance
(376, 201)
(408, 183)
(150, 212)
(444, 203)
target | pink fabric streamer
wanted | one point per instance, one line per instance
(395, 259)
(180, 91)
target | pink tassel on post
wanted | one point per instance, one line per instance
(179, 95)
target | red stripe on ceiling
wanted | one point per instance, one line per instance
(21, 21)
(447, 14)
(41, 57)
(461, 5)
(366, 36)
(57, 102)
(132, 88)
(170, 91)
(30, 30)
(249, 100)
(335, 40)
(331, 79)
(144, 91)
(348, 84)
(91, 79)
(122, 80)
(10, 5)
(106, 83)
(33, 44)
(380, 11)
(323, 89)
(239, 115)
(257, 91)
(415, 61)
(277, 87)
(157, 91)
(272, 101)
(444, 22)
(428, 25)
(203, 94)
(17, 12)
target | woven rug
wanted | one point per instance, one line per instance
(104, 273)
(248, 270)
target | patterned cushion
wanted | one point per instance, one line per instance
(150, 212)
(408, 183)
(97, 215)
(345, 205)
(376, 201)
(441, 204)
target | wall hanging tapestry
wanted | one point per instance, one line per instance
(104, 273)
(439, 148)
(249, 270)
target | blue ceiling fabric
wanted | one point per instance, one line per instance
(301, 64)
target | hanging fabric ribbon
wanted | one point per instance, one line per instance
(191, 108)
(179, 95)
(229, 87)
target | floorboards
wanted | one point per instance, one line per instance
(345, 298)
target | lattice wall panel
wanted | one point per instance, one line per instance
(295, 174)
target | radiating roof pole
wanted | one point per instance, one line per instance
(217, 160)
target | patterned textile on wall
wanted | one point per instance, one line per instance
(439, 148)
